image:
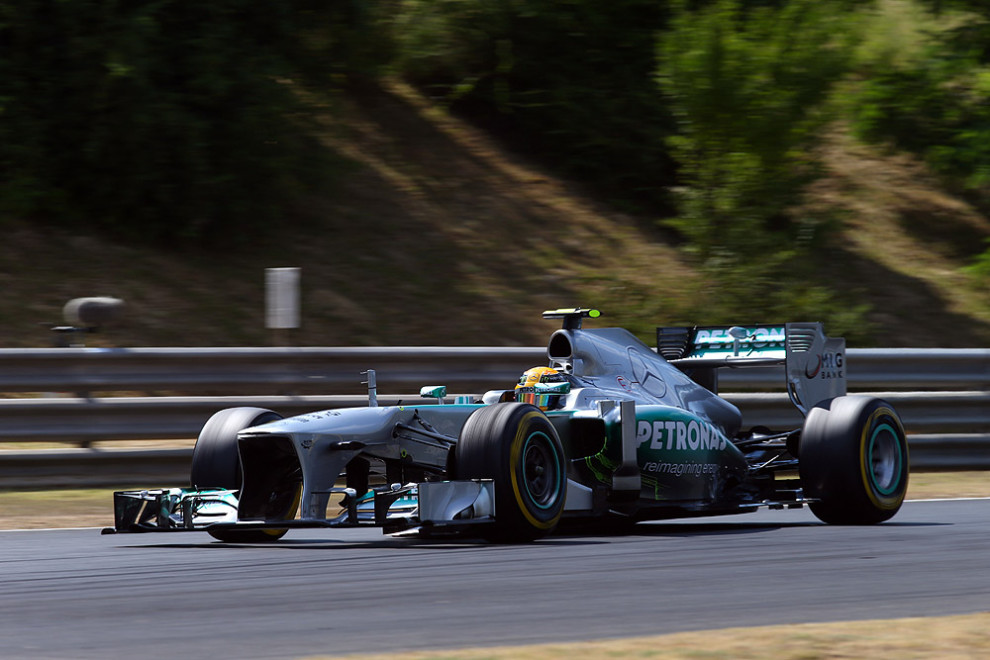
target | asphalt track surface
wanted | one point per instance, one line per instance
(77, 594)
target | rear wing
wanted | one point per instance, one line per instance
(814, 364)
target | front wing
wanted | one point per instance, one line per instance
(438, 506)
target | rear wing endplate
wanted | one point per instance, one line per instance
(814, 363)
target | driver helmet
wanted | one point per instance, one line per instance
(525, 388)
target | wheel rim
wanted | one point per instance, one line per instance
(541, 470)
(885, 459)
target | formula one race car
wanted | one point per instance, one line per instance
(609, 430)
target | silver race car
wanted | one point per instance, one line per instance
(609, 430)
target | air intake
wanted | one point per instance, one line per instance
(560, 347)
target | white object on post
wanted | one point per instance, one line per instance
(282, 298)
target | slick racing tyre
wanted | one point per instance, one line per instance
(854, 460)
(515, 445)
(216, 464)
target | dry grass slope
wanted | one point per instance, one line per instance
(905, 239)
(438, 235)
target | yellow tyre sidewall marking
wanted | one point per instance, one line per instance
(290, 514)
(517, 444)
(864, 463)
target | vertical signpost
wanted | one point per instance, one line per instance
(281, 302)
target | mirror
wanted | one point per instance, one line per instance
(433, 392)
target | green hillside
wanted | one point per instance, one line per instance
(427, 217)
(438, 235)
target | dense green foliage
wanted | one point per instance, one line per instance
(748, 86)
(720, 103)
(572, 81)
(747, 90)
(151, 119)
(937, 105)
(168, 120)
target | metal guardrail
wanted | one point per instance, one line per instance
(82, 420)
(259, 370)
(89, 468)
(162, 418)
(886, 369)
(949, 429)
(145, 468)
(921, 412)
(462, 369)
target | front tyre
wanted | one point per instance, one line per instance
(216, 464)
(854, 460)
(515, 445)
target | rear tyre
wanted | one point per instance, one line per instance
(854, 460)
(216, 464)
(515, 445)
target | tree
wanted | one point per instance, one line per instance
(157, 120)
(570, 81)
(747, 88)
